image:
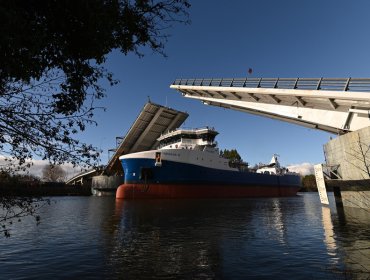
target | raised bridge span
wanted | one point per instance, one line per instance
(336, 105)
(151, 123)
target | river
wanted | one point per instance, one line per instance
(268, 238)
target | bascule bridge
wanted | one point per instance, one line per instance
(337, 105)
(149, 125)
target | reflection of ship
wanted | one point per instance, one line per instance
(187, 164)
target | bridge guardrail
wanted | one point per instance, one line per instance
(335, 84)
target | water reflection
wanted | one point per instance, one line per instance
(212, 239)
(277, 223)
(352, 228)
(347, 232)
(156, 240)
(202, 238)
(327, 223)
(104, 238)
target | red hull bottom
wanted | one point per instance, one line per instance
(138, 191)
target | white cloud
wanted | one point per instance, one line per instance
(304, 168)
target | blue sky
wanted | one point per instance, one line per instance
(307, 38)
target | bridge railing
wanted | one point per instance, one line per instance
(335, 84)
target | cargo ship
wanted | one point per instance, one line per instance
(188, 164)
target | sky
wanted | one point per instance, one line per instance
(286, 39)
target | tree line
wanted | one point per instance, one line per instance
(50, 173)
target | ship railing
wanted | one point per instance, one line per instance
(332, 84)
(189, 129)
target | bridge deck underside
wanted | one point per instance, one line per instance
(328, 107)
(152, 121)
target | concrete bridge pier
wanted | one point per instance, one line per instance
(348, 168)
(104, 185)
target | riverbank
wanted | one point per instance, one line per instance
(43, 189)
(58, 189)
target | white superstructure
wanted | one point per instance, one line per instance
(188, 139)
(190, 146)
(198, 147)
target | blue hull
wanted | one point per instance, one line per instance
(144, 171)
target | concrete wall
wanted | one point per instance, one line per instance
(352, 153)
(357, 199)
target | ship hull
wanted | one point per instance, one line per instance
(182, 180)
(142, 191)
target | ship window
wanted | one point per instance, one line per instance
(207, 137)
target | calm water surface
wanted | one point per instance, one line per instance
(101, 238)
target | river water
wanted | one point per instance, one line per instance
(273, 238)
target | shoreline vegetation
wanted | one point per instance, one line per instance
(38, 188)
(43, 189)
